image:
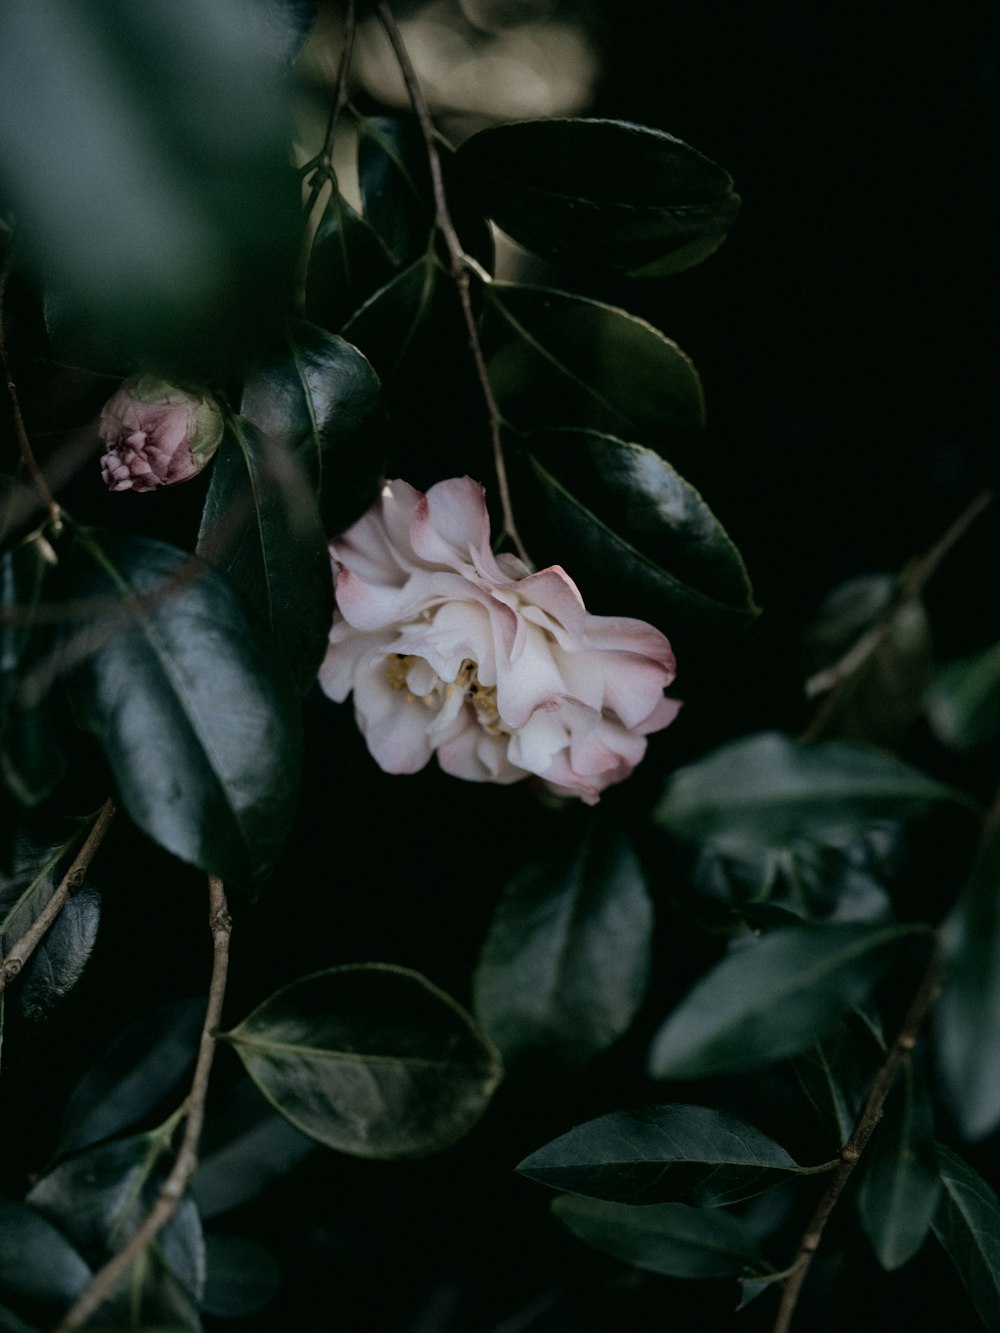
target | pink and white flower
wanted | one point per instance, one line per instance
(500, 673)
(156, 434)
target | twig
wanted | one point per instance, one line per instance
(21, 951)
(851, 1152)
(23, 443)
(832, 680)
(458, 265)
(106, 1279)
(321, 165)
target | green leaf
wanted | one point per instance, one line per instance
(37, 1262)
(133, 1076)
(566, 962)
(347, 264)
(31, 758)
(967, 1017)
(261, 528)
(900, 1185)
(394, 324)
(601, 192)
(881, 699)
(200, 725)
(967, 1223)
(101, 1196)
(560, 360)
(668, 1238)
(635, 532)
(242, 1277)
(831, 1077)
(772, 998)
(370, 1059)
(661, 1154)
(323, 400)
(42, 854)
(963, 702)
(768, 789)
(146, 159)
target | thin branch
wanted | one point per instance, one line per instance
(851, 1152)
(105, 1280)
(321, 165)
(459, 264)
(23, 443)
(833, 680)
(22, 949)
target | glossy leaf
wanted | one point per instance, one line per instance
(967, 1223)
(881, 699)
(99, 1198)
(566, 962)
(138, 1070)
(31, 757)
(768, 789)
(668, 1238)
(967, 1017)
(322, 399)
(261, 528)
(900, 1185)
(771, 998)
(601, 192)
(661, 1154)
(560, 360)
(386, 326)
(627, 524)
(963, 702)
(347, 264)
(246, 1145)
(200, 725)
(372, 1060)
(42, 854)
(37, 1262)
(183, 124)
(397, 194)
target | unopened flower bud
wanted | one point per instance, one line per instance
(156, 434)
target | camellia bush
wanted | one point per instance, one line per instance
(398, 928)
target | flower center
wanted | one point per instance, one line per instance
(483, 698)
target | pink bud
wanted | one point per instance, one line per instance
(156, 434)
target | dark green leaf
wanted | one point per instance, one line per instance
(397, 195)
(261, 528)
(661, 1154)
(967, 1223)
(146, 160)
(324, 401)
(566, 962)
(967, 1017)
(242, 1277)
(900, 1185)
(884, 695)
(831, 1076)
(246, 1145)
(771, 998)
(20, 509)
(963, 702)
(388, 324)
(348, 263)
(628, 526)
(42, 854)
(137, 1071)
(601, 192)
(768, 789)
(37, 1262)
(287, 25)
(100, 1197)
(561, 360)
(668, 1238)
(31, 758)
(372, 1060)
(201, 727)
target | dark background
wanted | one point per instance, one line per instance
(846, 336)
